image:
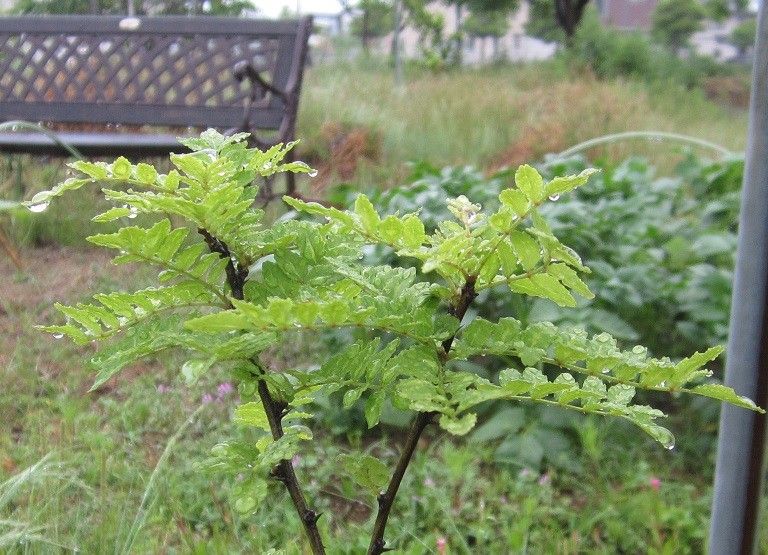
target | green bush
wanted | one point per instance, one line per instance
(743, 36)
(610, 53)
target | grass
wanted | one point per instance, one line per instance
(490, 117)
(120, 468)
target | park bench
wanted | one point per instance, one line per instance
(111, 85)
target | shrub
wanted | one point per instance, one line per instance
(743, 35)
(674, 21)
(239, 286)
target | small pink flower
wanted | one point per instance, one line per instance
(442, 545)
(429, 482)
(545, 479)
(224, 389)
(207, 398)
(162, 388)
(655, 483)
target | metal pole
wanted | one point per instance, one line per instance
(742, 437)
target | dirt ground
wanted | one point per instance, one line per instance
(50, 274)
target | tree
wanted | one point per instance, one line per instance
(568, 14)
(555, 20)
(674, 21)
(376, 19)
(743, 36)
(542, 22)
(487, 24)
(718, 10)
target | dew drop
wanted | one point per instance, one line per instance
(38, 207)
(58, 335)
(605, 370)
(553, 198)
(670, 446)
(133, 213)
(312, 173)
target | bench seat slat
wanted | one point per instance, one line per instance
(91, 144)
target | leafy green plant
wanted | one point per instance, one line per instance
(675, 263)
(743, 35)
(239, 286)
(674, 21)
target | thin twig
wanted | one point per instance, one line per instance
(284, 471)
(421, 420)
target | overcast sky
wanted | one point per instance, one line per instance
(271, 8)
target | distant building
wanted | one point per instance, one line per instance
(630, 15)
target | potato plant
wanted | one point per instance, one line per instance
(231, 286)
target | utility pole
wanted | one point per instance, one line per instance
(742, 436)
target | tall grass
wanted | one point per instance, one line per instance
(492, 117)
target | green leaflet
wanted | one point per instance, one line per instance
(376, 297)
(118, 311)
(161, 245)
(565, 184)
(530, 182)
(367, 471)
(598, 356)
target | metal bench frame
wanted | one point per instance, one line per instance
(106, 79)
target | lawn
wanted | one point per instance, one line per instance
(596, 487)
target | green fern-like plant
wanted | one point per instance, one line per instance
(235, 286)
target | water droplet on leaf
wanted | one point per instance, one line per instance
(58, 335)
(312, 173)
(38, 207)
(553, 198)
(134, 212)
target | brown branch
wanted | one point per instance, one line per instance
(387, 498)
(421, 420)
(284, 471)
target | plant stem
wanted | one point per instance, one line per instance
(284, 471)
(421, 420)
(387, 498)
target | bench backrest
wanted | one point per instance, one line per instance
(164, 71)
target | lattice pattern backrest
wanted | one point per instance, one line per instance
(168, 72)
